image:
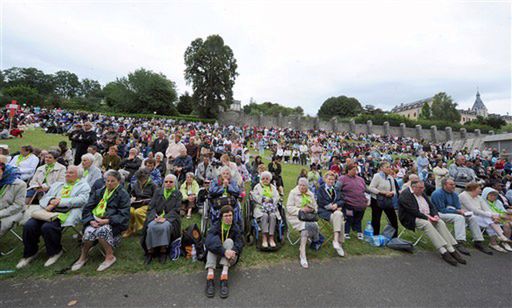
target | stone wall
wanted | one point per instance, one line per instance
(459, 139)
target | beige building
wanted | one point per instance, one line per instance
(412, 110)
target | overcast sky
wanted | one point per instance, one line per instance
(296, 53)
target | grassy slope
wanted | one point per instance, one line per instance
(130, 256)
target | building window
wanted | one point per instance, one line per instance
(415, 114)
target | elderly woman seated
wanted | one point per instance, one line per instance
(141, 193)
(26, 162)
(105, 216)
(12, 197)
(91, 172)
(301, 199)
(160, 164)
(189, 190)
(45, 176)
(266, 198)
(59, 207)
(224, 191)
(503, 217)
(162, 224)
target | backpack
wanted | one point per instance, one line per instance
(192, 236)
(399, 244)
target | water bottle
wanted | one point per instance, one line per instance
(194, 253)
(368, 232)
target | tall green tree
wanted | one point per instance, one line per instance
(211, 69)
(90, 88)
(67, 84)
(29, 77)
(444, 109)
(185, 104)
(143, 91)
(425, 112)
(22, 94)
(271, 109)
(341, 106)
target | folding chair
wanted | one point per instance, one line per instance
(18, 237)
(325, 228)
(404, 230)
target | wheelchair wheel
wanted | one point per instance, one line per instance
(204, 218)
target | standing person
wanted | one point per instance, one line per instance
(303, 149)
(440, 172)
(82, 139)
(275, 169)
(353, 188)
(193, 150)
(160, 144)
(224, 240)
(383, 190)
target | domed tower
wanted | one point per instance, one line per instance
(479, 106)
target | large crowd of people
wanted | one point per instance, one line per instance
(119, 177)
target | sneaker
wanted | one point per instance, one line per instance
(449, 259)
(304, 262)
(78, 265)
(25, 261)
(497, 248)
(506, 246)
(360, 236)
(458, 257)
(224, 289)
(463, 250)
(480, 246)
(347, 236)
(338, 248)
(51, 260)
(210, 288)
(106, 264)
(264, 244)
(272, 244)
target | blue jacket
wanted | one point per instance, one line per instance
(213, 241)
(445, 202)
(323, 199)
(184, 162)
(217, 189)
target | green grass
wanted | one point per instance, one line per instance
(130, 254)
(37, 138)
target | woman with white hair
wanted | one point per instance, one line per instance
(160, 164)
(266, 198)
(91, 172)
(301, 199)
(163, 223)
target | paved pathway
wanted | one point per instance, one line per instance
(422, 279)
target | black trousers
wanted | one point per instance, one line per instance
(51, 232)
(353, 221)
(377, 214)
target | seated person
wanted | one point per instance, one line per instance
(182, 164)
(160, 164)
(26, 162)
(205, 170)
(491, 196)
(302, 199)
(111, 160)
(91, 172)
(224, 240)
(162, 224)
(141, 193)
(449, 209)
(266, 198)
(131, 164)
(330, 205)
(471, 200)
(189, 190)
(12, 197)
(105, 216)
(65, 199)
(224, 191)
(154, 174)
(416, 211)
(45, 176)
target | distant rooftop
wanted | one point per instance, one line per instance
(412, 105)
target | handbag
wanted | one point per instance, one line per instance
(385, 203)
(219, 202)
(308, 217)
(44, 215)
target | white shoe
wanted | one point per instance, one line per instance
(497, 248)
(25, 261)
(51, 261)
(506, 246)
(78, 265)
(347, 236)
(360, 236)
(106, 264)
(338, 248)
(304, 262)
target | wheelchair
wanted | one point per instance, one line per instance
(211, 214)
(253, 229)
